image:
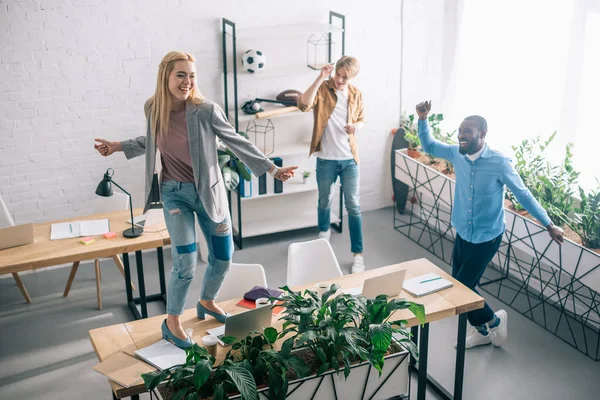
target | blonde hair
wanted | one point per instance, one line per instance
(350, 64)
(159, 105)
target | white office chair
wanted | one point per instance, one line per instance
(311, 261)
(116, 202)
(240, 279)
(6, 220)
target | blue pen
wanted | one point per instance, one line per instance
(432, 279)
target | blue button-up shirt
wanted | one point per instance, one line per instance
(478, 211)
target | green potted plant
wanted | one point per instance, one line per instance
(305, 176)
(587, 218)
(412, 136)
(232, 168)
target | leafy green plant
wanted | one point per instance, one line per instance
(551, 185)
(587, 218)
(343, 329)
(196, 378)
(411, 132)
(232, 168)
(381, 332)
(306, 174)
(268, 366)
(444, 137)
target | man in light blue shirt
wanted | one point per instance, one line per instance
(478, 212)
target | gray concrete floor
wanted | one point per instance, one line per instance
(45, 352)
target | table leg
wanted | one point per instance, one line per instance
(423, 349)
(127, 278)
(161, 272)
(460, 356)
(141, 284)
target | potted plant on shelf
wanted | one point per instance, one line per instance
(232, 168)
(305, 176)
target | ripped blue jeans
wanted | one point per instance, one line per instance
(181, 202)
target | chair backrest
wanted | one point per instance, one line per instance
(5, 217)
(311, 261)
(116, 202)
(240, 279)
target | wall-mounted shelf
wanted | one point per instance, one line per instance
(287, 30)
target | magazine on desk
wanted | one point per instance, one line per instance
(67, 230)
(162, 355)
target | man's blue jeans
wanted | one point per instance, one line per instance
(348, 171)
(181, 202)
(469, 261)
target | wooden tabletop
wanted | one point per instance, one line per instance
(131, 336)
(44, 252)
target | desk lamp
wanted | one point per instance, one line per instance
(104, 189)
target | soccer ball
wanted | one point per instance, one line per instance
(253, 60)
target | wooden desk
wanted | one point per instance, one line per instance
(447, 303)
(44, 252)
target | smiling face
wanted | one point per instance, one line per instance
(341, 78)
(182, 80)
(470, 137)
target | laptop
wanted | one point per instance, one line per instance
(17, 235)
(239, 325)
(388, 284)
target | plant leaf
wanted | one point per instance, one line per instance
(201, 373)
(243, 171)
(323, 369)
(321, 355)
(219, 393)
(270, 334)
(180, 394)
(381, 336)
(243, 381)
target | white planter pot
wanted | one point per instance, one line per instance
(363, 382)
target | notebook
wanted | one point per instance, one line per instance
(163, 355)
(426, 284)
(124, 369)
(66, 230)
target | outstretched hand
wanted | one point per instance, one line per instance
(105, 147)
(285, 173)
(556, 233)
(423, 109)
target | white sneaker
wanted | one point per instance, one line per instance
(359, 264)
(500, 333)
(325, 234)
(477, 339)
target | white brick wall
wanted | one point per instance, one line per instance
(73, 70)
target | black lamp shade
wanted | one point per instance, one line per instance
(104, 188)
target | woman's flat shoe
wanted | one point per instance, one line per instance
(202, 311)
(168, 336)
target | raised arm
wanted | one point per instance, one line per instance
(309, 98)
(246, 151)
(428, 142)
(514, 182)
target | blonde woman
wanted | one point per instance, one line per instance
(183, 127)
(339, 116)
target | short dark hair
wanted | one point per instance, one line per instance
(481, 122)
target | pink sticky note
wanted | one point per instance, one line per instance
(87, 240)
(110, 235)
